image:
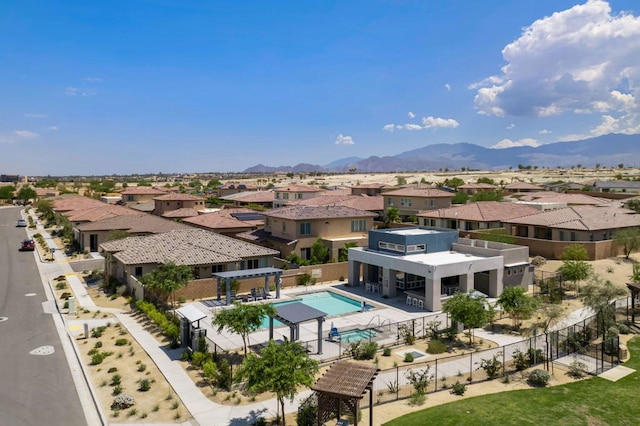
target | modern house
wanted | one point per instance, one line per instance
(412, 200)
(91, 234)
(426, 266)
(292, 193)
(169, 202)
(206, 252)
(474, 216)
(295, 229)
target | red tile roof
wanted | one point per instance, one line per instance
(583, 218)
(143, 190)
(420, 192)
(482, 211)
(223, 219)
(317, 212)
(178, 197)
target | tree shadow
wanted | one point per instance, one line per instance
(251, 418)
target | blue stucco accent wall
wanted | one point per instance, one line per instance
(436, 240)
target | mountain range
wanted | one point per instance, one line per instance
(605, 151)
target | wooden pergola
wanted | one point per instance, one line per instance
(634, 288)
(345, 383)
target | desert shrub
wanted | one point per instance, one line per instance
(420, 379)
(535, 356)
(623, 328)
(121, 342)
(117, 390)
(116, 379)
(386, 352)
(417, 399)
(436, 347)
(406, 333)
(520, 360)
(112, 370)
(491, 366)
(224, 374)
(577, 370)
(197, 358)
(97, 332)
(458, 388)
(98, 357)
(98, 344)
(144, 385)
(61, 285)
(65, 295)
(307, 415)
(142, 367)
(408, 357)
(362, 350)
(122, 401)
(539, 377)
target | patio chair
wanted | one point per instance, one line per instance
(367, 287)
(420, 304)
(414, 302)
(409, 300)
(333, 333)
(263, 294)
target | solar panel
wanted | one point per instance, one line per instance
(248, 216)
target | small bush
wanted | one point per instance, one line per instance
(458, 388)
(417, 399)
(122, 402)
(142, 367)
(61, 285)
(98, 344)
(116, 379)
(117, 390)
(539, 377)
(121, 342)
(386, 352)
(623, 328)
(408, 357)
(98, 357)
(144, 385)
(577, 370)
(436, 347)
(112, 370)
(491, 366)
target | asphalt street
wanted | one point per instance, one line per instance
(36, 386)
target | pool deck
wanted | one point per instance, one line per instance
(385, 311)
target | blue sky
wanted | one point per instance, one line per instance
(98, 87)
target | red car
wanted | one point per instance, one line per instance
(28, 245)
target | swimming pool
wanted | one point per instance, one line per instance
(357, 334)
(326, 301)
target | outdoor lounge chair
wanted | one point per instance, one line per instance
(334, 333)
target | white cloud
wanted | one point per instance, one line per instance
(430, 122)
(447, 86)
(544, 132)
(412, 127)
(344, 140)
(582, 60)
(510, 126)
(17, 136)
(34, 115)
(71, 91)
(411, 115)
(508, 143)
(389, 127)
(76, 91)
(53, 128)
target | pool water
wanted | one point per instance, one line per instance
(356, 334)
(326, 301)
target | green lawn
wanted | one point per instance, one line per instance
(593, 401)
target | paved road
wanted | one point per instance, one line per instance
(35, 389)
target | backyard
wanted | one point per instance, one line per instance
(594, 401)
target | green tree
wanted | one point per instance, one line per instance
(343, 254)
(628, 239)
(281, 369)
(498, 235)
(168, 278)
(319, 253)
(518, 304)
(634, 204)
(117, 234)
(467, 310)
(487, 180)
(391, 215)
(598, 294)
(460, 198)
(486, 196)
(243, 319)
(574, 266)
(26, 193)
(6, 192)
(454, 182)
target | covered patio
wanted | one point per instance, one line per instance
(292, 315)
(230, 276)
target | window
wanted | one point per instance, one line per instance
(138, 272)
(405, 202)
(389, 201)
(305, 228)
(130, 198)
(391, 246)
(285, 196)
(251, 264)
(305, 253)
(432, 203)
(416, 248)
(574, 236)
(359, 225)
(267, 221)
(298, 196)
(277, 195)
(217, 268)
(561, 235)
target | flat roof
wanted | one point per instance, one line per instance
(413, 231)
(297, 312)
(191, 313)
(434, 259)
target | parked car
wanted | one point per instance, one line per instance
(28, 245)
(21, 223)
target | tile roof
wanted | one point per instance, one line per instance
(223, 219)
(184, 247)
(147, 207)
(137, 223)
(77, 202)
(582, 218)
(251, 197)
(360, 202)
(555, 197)
(93, 214)
(143, 190)
(477, 186)
(522, 185)
(178, 197)
(372, 186)
(181, 213)
(482, 211)
(317, 212)
(298, 188)
(419, 192)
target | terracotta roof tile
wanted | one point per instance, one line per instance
(223, 219)
(143, 190)
(298, 188)
(178, 197)
(420, 192)
(181, 213)
(317, 212)
(586, 218)
(482, 211)
(136, 223)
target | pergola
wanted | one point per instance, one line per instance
(292, 314)
(634, 288)
(344, 383)
(230, 276)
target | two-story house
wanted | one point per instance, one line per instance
(295, 229)
(412, 200)
(140, 194)
(293, 193)
(170, 202)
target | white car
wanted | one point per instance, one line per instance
(21, 223)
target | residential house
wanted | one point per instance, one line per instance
(545, 198)
(474, 216)
(427, 266)
(370, 189)
(631, 186)
(563, 186)
(547, 233)
(259, 198)
(519, 187)
(474, 188)
(295, 229)
(90, 235)
(412, 200)
(234, 188)
(169, 202)
(294, 192)
(206, 252)
(78, 209)
(374, 204)
(140, 194)
(228, 221)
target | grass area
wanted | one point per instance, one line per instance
(593, 401)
